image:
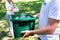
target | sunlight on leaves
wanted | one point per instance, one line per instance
(25, 0)
(27, 6)
(33, 12)
(3, 25)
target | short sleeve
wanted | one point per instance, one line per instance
(58, 6)
(54, 11)
(7, 5)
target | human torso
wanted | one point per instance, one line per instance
(43, 19)
(11, 5)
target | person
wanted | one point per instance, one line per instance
(9, 7)
(48, 22)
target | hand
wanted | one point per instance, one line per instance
(27, 34)
(37, 15)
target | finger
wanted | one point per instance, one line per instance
(24, 36)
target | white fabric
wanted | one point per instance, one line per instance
(54, 11)
(49, 10)
(10, 13)
(9, 5)
(16, 9)
(47, 1)
(11, 29)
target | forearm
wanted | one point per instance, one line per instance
(44, 30)
(37, 15)
(48, 29)
(10, 8)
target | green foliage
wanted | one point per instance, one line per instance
(24, 7)
(32, 8)
(2, 10)
(29, 7)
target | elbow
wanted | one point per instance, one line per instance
(51, 32)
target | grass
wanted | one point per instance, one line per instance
(31, 7)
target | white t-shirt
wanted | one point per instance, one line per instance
(50, 9)
(9, 5)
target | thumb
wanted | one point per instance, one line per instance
(23, 36)
(26, 35)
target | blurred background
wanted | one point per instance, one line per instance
(31, 7)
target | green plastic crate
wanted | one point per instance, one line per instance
(27, 23)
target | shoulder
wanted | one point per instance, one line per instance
(7, 4)
(47, 1)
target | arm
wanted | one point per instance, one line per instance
(10, 8)
(48, 29)
(37, 15)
